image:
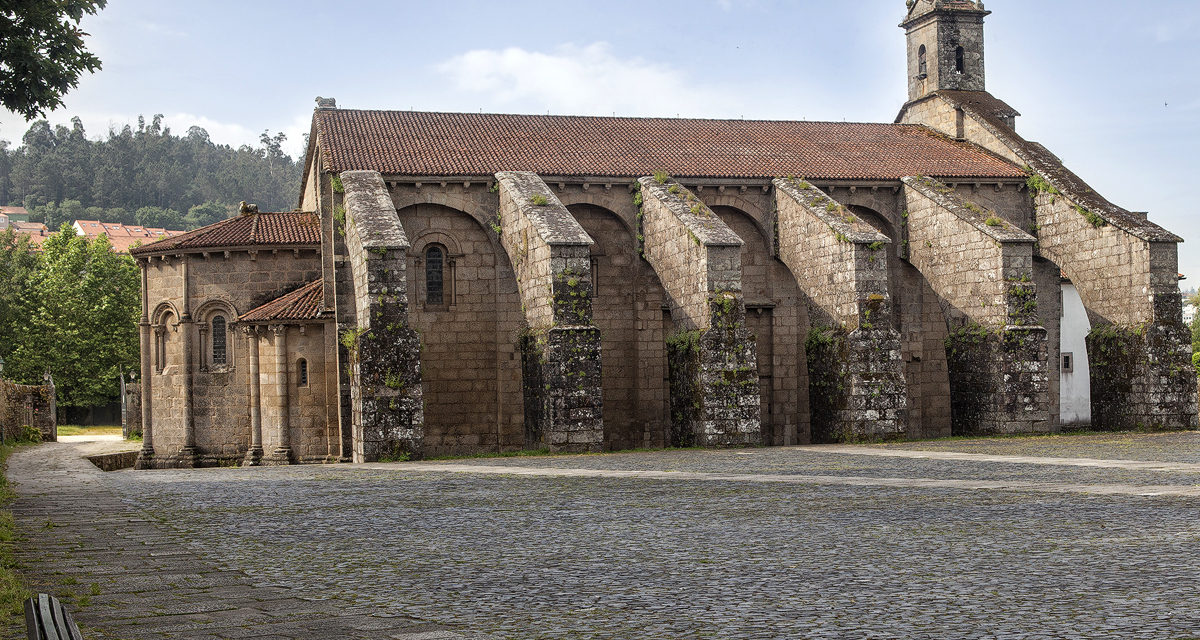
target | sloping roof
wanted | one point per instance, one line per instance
(468, 144)
(989, 111)
(285, 229)
(305, 303)
(123, 237)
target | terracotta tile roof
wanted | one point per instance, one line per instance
(285, 229)
(305, 303)
(122, 237)
(469, 144)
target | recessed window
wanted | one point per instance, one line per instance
(960, 59)
(1068, 362)
(219, 342)
(435, 270)
(922, 64)
(302, 373)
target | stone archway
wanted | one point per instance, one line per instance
(775, 316)
(471, 377)
(627, 303)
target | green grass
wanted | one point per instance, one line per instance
(13, 591)
(77, 430)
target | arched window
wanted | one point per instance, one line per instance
(219, 342)
(922, 65)
(960, 59)
(435, 264)
(302, 373)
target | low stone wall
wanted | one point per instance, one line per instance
(560, 352)
(27, 405)
(713, 371)
(387, 410)
(857, 388)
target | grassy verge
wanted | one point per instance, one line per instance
(77, 430)
(13, 591)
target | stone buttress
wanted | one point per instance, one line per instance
(981, 267)
(1124, 267)
(712, 362)
(857, 388)
(560, 351)
(387, 406)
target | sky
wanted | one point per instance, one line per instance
(1112, 90)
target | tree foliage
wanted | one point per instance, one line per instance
(73, 310)
(42, 53)
(143, 175)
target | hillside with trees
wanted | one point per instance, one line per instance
(144, 175)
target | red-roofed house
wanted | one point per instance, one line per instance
(463, 282)
(122, 237)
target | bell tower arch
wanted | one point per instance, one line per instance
(945, 46)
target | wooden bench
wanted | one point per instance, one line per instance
(47, 619)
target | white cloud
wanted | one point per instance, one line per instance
(588, 80)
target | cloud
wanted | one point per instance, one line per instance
(1168, 32)
(587, 80)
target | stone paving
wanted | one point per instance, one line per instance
(758, 543)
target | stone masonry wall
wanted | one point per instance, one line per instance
(982, 268)
(386, 395)
(27, 405)
(845, 265)
(713, 366)
(550, 253)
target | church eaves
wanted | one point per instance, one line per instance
(284, 229)
(305, 303)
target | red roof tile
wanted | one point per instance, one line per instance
(286, 229)
(468, 144)
(305, 303)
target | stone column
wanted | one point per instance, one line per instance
(857, 388)
(560, 352)
(187, 456)
(981, 267)
(283, 450)
(386, 405)
(712, 360)
(146, 455)
(254, 454)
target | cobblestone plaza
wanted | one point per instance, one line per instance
(1050, 537)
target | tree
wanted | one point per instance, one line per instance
(82, 310)
(42, 52)
(18, 264)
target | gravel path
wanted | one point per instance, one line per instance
(760, 543)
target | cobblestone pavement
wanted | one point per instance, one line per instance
(709, 549)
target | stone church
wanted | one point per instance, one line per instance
(455, 283)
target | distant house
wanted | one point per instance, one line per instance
(14, 214)
(36, 231)
(3, 222)
(121, 236)
(1189, 313)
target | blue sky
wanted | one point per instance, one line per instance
(1113, 90)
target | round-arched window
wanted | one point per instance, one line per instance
(219, 341)
(302, 373)
(922, 64)
(435, 270)
(960, 60)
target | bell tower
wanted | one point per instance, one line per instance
(945, 46)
